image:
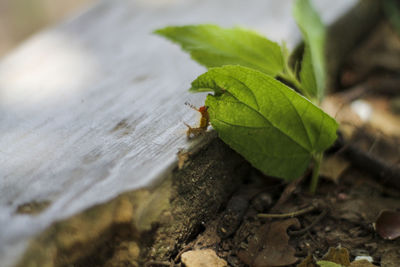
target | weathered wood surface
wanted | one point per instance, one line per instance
(95, 106)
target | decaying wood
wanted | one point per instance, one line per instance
(144, 224)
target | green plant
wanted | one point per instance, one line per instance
(391, 9)
(275, 128)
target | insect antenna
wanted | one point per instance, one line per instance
(190, 105)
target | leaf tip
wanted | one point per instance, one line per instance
(160, 31)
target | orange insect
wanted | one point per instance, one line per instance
(204, 122)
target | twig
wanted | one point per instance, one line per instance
(306, 229)
(287, 215)
(382, 85)
(182, 251)
(288, 191)
(388, 175)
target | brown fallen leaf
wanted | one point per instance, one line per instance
(269, 246)
(388, 224)
(333, 167)
(365, 208)
(338, 255)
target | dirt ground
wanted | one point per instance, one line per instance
(339, 215)
(270, 223)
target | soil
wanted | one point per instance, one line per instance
(342, 216)
(337, 223)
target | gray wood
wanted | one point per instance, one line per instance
(95, 106)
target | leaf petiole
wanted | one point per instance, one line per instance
(290, 76)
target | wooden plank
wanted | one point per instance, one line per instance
(95, 106)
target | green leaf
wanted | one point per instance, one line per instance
(307, 75)
(272, 126)
(213, 46)
(328, 264)
(313, 72)
(391, 9)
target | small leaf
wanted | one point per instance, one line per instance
(388, 224)
(313, 67)
(213, 46)
(307, 75)
(391, 9)
(328, 264)
(339, 255)
(272, 126)
(269, 246)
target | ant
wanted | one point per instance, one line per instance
(204, 122)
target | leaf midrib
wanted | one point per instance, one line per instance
(248, 89)
(268, 155)
(265, 119)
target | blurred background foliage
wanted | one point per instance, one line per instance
(21, 18)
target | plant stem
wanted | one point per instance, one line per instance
(315, 175)
(286, 215)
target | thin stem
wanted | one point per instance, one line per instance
(289, 75)
(287, 215)
(315, 175)
(304, 230)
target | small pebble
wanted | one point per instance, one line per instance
(200, 258)
(363, 109)
(262, 202)
(368, 258)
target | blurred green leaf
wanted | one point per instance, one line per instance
(213, 46)
(391, 9)
(307, 75)
(313, 72)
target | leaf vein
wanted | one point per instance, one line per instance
(269, 123)
(298, 115)
(247, 88)
(268, 155)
